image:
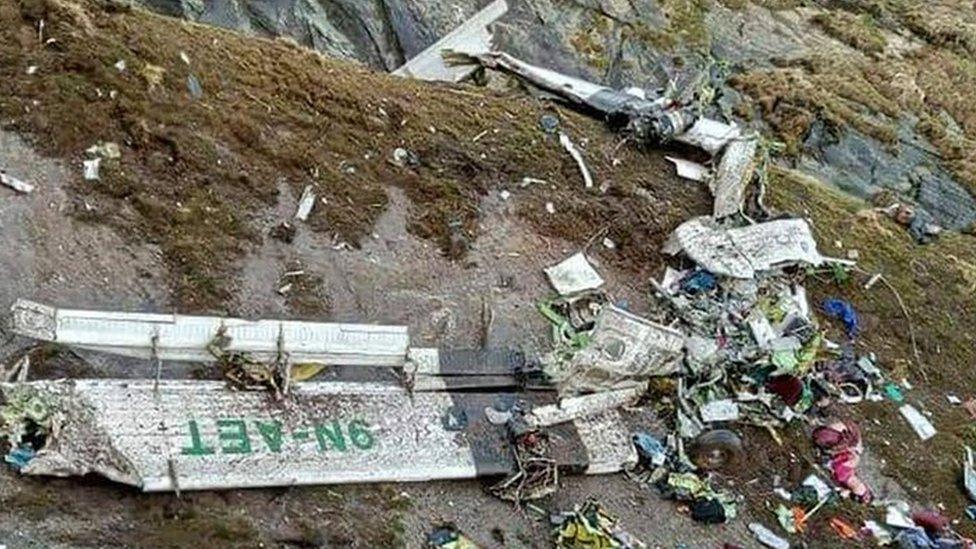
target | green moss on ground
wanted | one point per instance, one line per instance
(936, 283)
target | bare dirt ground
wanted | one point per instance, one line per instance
(394, 278)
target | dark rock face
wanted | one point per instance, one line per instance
(619, 43)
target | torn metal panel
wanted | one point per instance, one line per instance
(648, 121)
(572, 408)
(15, 184)
(688, 170)
(709, 135)
(625, 351)
(473, 36)
(574, 90)
(189, 338)
(195, 435)
(735, 171)
(719, 410)
(742, 251)
(575, 274)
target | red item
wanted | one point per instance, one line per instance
(843, 528)
(788, 388)
(842, 442)
(932, 521)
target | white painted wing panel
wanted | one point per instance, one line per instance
(186, 338)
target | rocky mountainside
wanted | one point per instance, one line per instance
(863, 110)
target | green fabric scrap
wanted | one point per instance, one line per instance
(893, 392)
(563, 331)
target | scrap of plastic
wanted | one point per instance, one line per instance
(921, 424)
(969, 473)
(766, 537)
(838, 308)
(843, 528)
(18, 458)
(897, 516)
(650, 449)
(893, 392)
(881, 535)
(698, 282)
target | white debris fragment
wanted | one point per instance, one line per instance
(190, 338)
(526, 181)
(575, 274)
(688, 169)
(106, 149)
(719, 410)
(735, 171)
(898, 515)
(969, 473)
(16, 184)
(625, 351)
(569, 409)
(923, 427)
(550, 208)
(710, 135)
(184, 57)
(31, 70)
(609, 244)
(91, 168)
(472, 37)
(567, 144)
(504, 194)
(120, 65)
(822, 488)
(762, 330)
(954, 400)
(743, 251)
(766, 537)
(305, 204)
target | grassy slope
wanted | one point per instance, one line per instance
(195, 174)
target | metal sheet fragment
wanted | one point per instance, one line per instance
(569, 409)
(709, 135)
(735, 171)
(743, 251)
(189, 338)
(624, 352)
(472, 37)
(198, 435)
(574, 274)
(688, 170)
(15, 184)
